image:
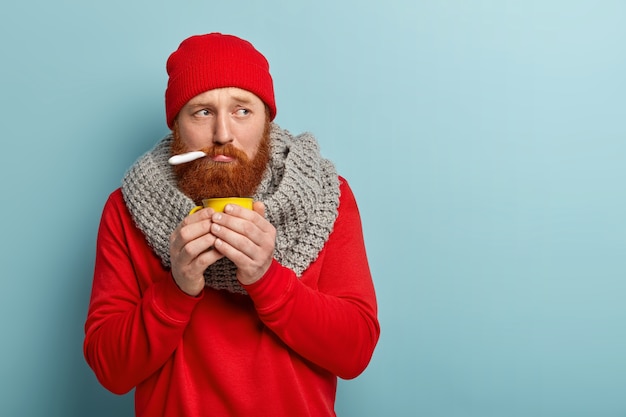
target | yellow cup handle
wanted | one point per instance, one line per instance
(196, 208)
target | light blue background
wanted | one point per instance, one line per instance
(484, 140)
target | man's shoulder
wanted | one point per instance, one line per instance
(343, 184)
(346, 196)
(116, 196)
(115, 202)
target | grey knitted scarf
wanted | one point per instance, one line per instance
(300, 190)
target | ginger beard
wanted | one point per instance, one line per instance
(205, 178)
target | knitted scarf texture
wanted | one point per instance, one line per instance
(300, 190)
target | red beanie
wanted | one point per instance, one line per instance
(204, 62)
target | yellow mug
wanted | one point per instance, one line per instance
(218, 204)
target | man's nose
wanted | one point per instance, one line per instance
(222, 133)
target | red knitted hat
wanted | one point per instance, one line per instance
(204, 62)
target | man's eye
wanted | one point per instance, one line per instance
(203, 112)
(243, 112)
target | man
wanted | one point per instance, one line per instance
(241, 313)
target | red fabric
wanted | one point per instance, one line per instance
(276, 352)
(204, 62)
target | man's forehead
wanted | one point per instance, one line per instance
(232, 93)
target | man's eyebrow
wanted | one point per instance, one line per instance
(198, 103)
(242, 99)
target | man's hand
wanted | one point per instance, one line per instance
(246, 238)
(192, 251)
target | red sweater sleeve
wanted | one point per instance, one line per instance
(132, 327)
(329, 315)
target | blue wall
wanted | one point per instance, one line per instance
(484, 140)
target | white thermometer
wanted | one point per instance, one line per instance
(186, 157)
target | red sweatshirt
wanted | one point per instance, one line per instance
(276, 352)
